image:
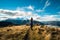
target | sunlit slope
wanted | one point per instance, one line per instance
(24, 32)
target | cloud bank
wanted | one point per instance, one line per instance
(21, 13)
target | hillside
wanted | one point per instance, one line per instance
(23, 32)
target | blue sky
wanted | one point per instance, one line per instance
(43, 9)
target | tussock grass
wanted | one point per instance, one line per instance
(24, 32)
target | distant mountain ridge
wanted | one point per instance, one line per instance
(24, 22)
(17, 22)
(54, 23)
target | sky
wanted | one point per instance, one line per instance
(40, 10)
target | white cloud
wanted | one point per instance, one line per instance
(47, 3)
(47, 18)
(30, 7)
(4, 17)
(39, 10)
(6, 14)
(16, 13)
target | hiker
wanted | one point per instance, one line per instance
(31, 24)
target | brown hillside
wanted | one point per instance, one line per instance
(24, 32)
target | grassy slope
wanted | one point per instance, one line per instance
(25, 33)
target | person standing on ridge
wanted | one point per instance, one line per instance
(31, 24)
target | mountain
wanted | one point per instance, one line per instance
(17, 22)
(4, 23)
(24, 22)
(53, 23)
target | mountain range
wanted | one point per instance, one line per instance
(24, 22)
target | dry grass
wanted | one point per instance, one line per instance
(24, 32)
